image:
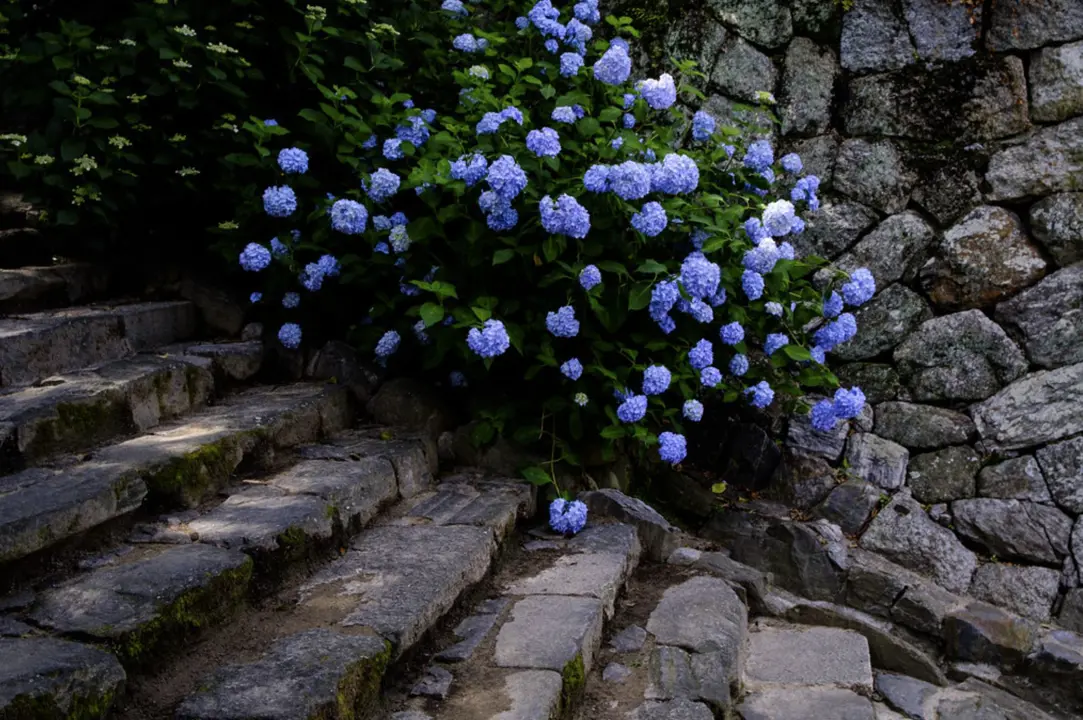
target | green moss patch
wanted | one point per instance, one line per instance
(189, 479)
(358, 694)
(44, 707)
(575, 679)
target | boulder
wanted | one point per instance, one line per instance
(894, 251)
(884, 321)
(949, 181)
(1071, 610)
(1014, 529)
(943, 475)
(874, 173)
(874, 38)
(984, 258)
(1057, 662)
(1038, 408)
(818, 158)
(803, 439)
(808, 83)
(742, 71)
(1047, 161)
(833, 229)
(1057, 223)
(817, 20)
(408, 404)
(923, 426)
(943, 31)
(963, 356)
(764, 22)
(984, 633)
(880, 381)
(657, 536)
(802, 480)
(1025, 590)
(1049, 318)
(695, 35)
(1016, 479)
(849, 505)
(1062, 467)
(876, 460)
(1023, 25)
(1056, 82)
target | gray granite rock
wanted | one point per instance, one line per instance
(874, 38)
(1056, 82)
(781, 656)
(657, 536)
(876, 460)
(963, 356)
(893, 251)
(923, 607)
(834, 228)
(236, 361)
(1047, 161)
(412, 456)
(802, 480)
(742, 71)
(434, 683)
(803, 439)
(1057, 223)
(1076, 549)
(808, 84)
(695, 35)
(1038, 408)
(943, 31)
(984, 633)
(880, 381)
(922, 426)
(303, 675)
(1014, 529)
(1057, 661)
(873, 173)
(818, 158)
(905, 534)
(798, 703)
(885, 320)
(672, 710)
(630, 639)
(975, 699)
(546, 633)
(263, 519)
(472, 631)
(1062, 467)
(1070, 615)
(764, 22)
(405, 403)
(494, 504)
(531, 695)
(702, 615)
(979, 99)
(1017, 24)
(817, 20)
(749, 583)
(684, 556)
(981, 260)
(357, 488)
(874, 583)
(849, 505)
(674, 674)
(943, 475)
(906, 694)
(1049, 318)
(949, 183)
(56, 678)
(616, 673)
(1025, 590)
(1015, 479)
(597, 575)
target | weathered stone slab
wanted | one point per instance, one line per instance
(674, 674)
(1018, 24)
(672, 710)
(876, 460)
(696, 35)
(400, 580)
(55, 678)
(406, 403)
(702, 615)
(986, 634)
(135, 607)
(984, 698)
(1057, 661)
(1049, 160)
(266, 520)
(1062, 464)
(818, 158)
(905, 534)
(409, 457)
(1016, 479)
(873, 173)
(493, 506)
(473, 630)
(885, 321)
(630, 639)
(803, 480)
(805, 703)
(657, 536)
(37, 346)
(551, 633)
(943, 31)
(906, 694)
(742, 71)
(357, 489)
(808, 83)
(1049, 318)
(749, 583)
(893, 251)
(943, 475)
(880, 381)
(1038, 408)
(1025, 590)
(1057, 223)
(435, 683)
(834, 228)
(922, 426)
(1014, 529)
(803, 439)
(317, 673)
(596, 575)
(765, 22)
(533, 695)
(807, 656)
(236, 361)
(849, 505)
(874, 38)
(1056, 82)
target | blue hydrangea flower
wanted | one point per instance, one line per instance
(822, 416)
(552, 46)
(544, 142)
(577, 35)
(455, 7)
(836, 332)
(293, 161)
(371, 142)
(701, 311)
(692, 410)
(633, 409)
(703, 125)
(651, 220)
(759, 156)
(849, 403)
(656, 379)
(761, 393)
(564, 217)
(589, 277)
(399, 239)
(629, 100)
(393, 149)
(279, 201)
(699, 276)
(664, 296)
(614, 67)
(506, 178)
(587, 11)
(819, 355)
(522, 22)
(778, 218)
(457, 379)
(660, 94)
(698, 237)
(739, 364)
(415, 131)
(710, 376)
(621, 43)
(833, 305)
(572, 369)
(291, 300)
(786, 251)
(544, 16)
(278, 248)
(752, 284)
(388, 344)
(491, 340)
(570, 64)
(629, 180)
(860, 289)
(774, 342)
(312, 277)
(255, 297)
(567, 518)
(762, 258)
(490, 122)
(596, 179)
(701, 355)
(628, 120)
(467, 43)
(398, 219)
(732, 333)
(290, 335)
(503, 219)
(255, 257)
(349, 217)
(719, 298)
(384, 184)
(564, 114)
(755, 231)
(421, 334)
(672, 447)
(270, 122)
(616, 143)
(773, 308)
(791, 163)
(562, 323)
(675, 175)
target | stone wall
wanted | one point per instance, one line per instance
(949, 138)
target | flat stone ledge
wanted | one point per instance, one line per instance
(781, 656)
(44, 677)
(550, 632)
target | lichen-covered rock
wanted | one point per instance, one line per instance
(904, 534)
(964, 356)
(945, 31)
(884, 322)
(849, 505)
(1062, 466)
(1049, 160)
(1026, 590)
(943, 475)
(817, 20)
(808, 82)
(873, 173)
(1056, 82)
(833, 229)
(979, 99)
(923, 426)
(1016, 479)
(986, 634)
(1057, 223)
(695, 35)
(1057, 662)
(1036, 409)
(1049, 318)
(984, 258)
(1022, 24)
(764, 22)
(874, 38)
(817, 155)
(879, 461)
(1071, 610)
(893, 251)
(802, 480)
(880, 381)
(1014, 529)
(949, 184)
(742, 71)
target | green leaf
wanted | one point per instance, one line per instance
(796, 352)
(536, 476)
(482, 314)
(548, 92)
(431, 313)
(612, 266)
(640, 297)
(313, 116)
(652, 267)
(612, 432)
(610, 114)
(502, 256)
(482, 434)
(588, 127)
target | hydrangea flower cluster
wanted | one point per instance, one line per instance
(567, 517)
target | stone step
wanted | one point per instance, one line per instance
(367, 608)
(39, 288)
(38, 345)
(178, 464)
(49, 678)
